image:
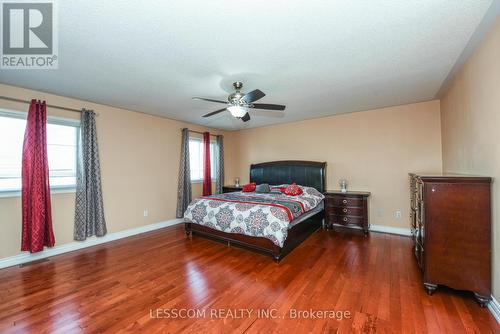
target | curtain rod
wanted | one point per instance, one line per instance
(48, 105)
(198, 132)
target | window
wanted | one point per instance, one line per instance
(196, 159)
(62, 142)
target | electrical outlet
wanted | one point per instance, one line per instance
(146, 212)
(398, 214)
(380, 212)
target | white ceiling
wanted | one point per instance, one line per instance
(318, 57)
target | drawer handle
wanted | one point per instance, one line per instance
(344, 201)
(345, 210)
(345, 219)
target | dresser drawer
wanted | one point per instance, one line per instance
(346, 211)
(343, 201)
(345, 220)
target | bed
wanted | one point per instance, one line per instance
(211, 216)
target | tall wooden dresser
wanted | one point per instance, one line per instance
(451, 228)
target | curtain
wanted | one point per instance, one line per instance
(219, 179)
(36, 211)
(89, 209)
(184, 187)
(207, 178)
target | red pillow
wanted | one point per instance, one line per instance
(280, 189)
(293, 190)
(248, 188)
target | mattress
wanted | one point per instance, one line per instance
(320, 207)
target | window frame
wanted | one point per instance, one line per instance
(212, 142)
(56, 120)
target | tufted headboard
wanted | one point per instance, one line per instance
(306, 173)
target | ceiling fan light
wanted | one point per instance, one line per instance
(237, 111)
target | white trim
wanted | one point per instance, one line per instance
(53, 191)
(494, 308)
(50, 119)
(406, 231)
(383, 229)
(201, 181)
(13, 113)
(63, 121)
(76, 245)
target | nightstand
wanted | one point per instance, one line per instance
(231, 189)
(350, 208)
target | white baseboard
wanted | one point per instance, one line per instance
(75, 245)
(383, 229)
(391, 230)
(494, 308)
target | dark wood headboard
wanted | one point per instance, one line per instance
(306, 173)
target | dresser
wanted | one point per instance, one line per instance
(231, 189)
(451, 230)
(349, 208)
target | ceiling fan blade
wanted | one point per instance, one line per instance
(246, 117)
(268, 106)
(214, 112)
(211, 100)
(254, 95)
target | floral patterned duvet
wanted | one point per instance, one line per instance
(260, 215)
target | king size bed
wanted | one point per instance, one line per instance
(272, 223)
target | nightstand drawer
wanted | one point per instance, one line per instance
(346, 211)
(344, 201)
(347, 208)
(345, 220)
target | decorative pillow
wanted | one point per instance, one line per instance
(263, 188)
(248, 188)
(280, 189)
(293, 190)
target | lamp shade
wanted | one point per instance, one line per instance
(237, 111)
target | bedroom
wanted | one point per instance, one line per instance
(375, 90)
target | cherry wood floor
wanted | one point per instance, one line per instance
(131, 285)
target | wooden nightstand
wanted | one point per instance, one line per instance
(350, 208)
(230, 189)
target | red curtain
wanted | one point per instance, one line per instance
(37, 217)
(207, 178)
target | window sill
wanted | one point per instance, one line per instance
(201, 181)
(55, 190)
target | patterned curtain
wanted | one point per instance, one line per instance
(184, 188)
(207, 177)
(219, 178)
(89, 209)
(37, 215)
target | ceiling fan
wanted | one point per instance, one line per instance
(238, 103)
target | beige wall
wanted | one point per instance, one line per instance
(139, 160)
(374, 150)
(471, 126)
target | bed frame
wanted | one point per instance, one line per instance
(307, 173)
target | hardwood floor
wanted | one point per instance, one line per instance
(134, 283)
